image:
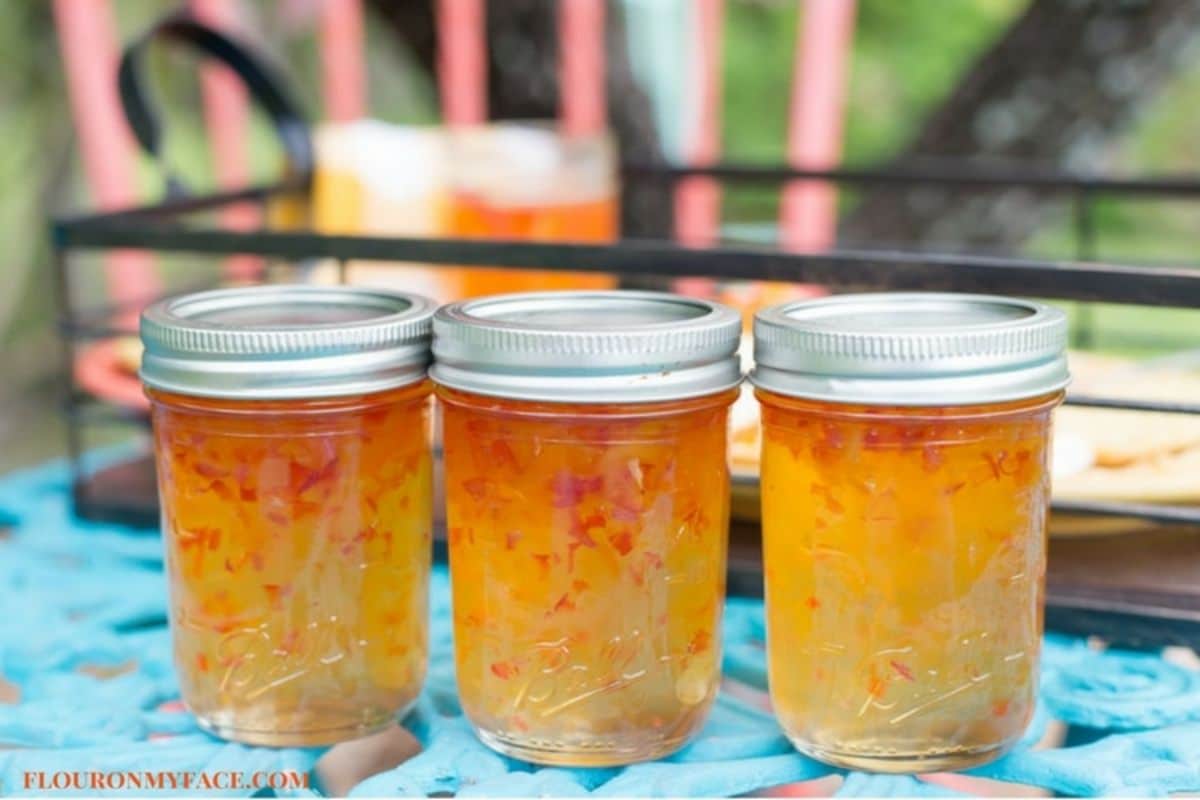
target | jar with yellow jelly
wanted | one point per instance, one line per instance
(587, 492)
(291, 433)
(905, 485)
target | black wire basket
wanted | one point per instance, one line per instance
(1115, 596)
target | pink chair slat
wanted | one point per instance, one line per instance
(462, 61)
(698, 199)
(227, 118)
(87, 37)
(583, 107)
(809, 209)
(344, 71)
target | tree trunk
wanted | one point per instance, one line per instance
(1053, 90)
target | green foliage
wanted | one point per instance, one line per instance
(907, 56)
(32, 109)
(1160, 141)
(40, 166)
(759, 48)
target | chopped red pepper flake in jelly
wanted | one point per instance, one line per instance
(297, 556)
(622, 513)
(594, 595)
(276, 595)
(205, 470)
(503, 454)
(504, 670)
(905, 562)
(622, 541)
(476, 487)
(569, 489)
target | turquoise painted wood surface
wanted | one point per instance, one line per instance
(74, 593)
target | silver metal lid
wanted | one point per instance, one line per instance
(279, 342)
(911, 349)
(587, 347)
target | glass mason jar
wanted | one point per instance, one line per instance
(291, 433)
(587, 492)
(528, 181)
(905, 485)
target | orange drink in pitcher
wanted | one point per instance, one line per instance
(524, 181)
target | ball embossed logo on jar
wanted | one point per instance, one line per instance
(905, 486)
(291, 429)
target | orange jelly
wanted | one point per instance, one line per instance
(904, 543)
(298, 541)
(905, 559)
(587, 539)
(588, 549)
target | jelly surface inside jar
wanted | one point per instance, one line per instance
(298, 544)
(587, 550)
(904, 555)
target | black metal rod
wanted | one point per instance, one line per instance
(96, 322)
(1148, 511)
(88, 410)
(180, 205)
(943, 174)
(926, 173)
(846, 270)
(62, 289)
(1085, 226)
(85, 331)
(1084, 334)
(1085, 596)
(1131, 404)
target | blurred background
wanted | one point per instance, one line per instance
(1089, 86)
